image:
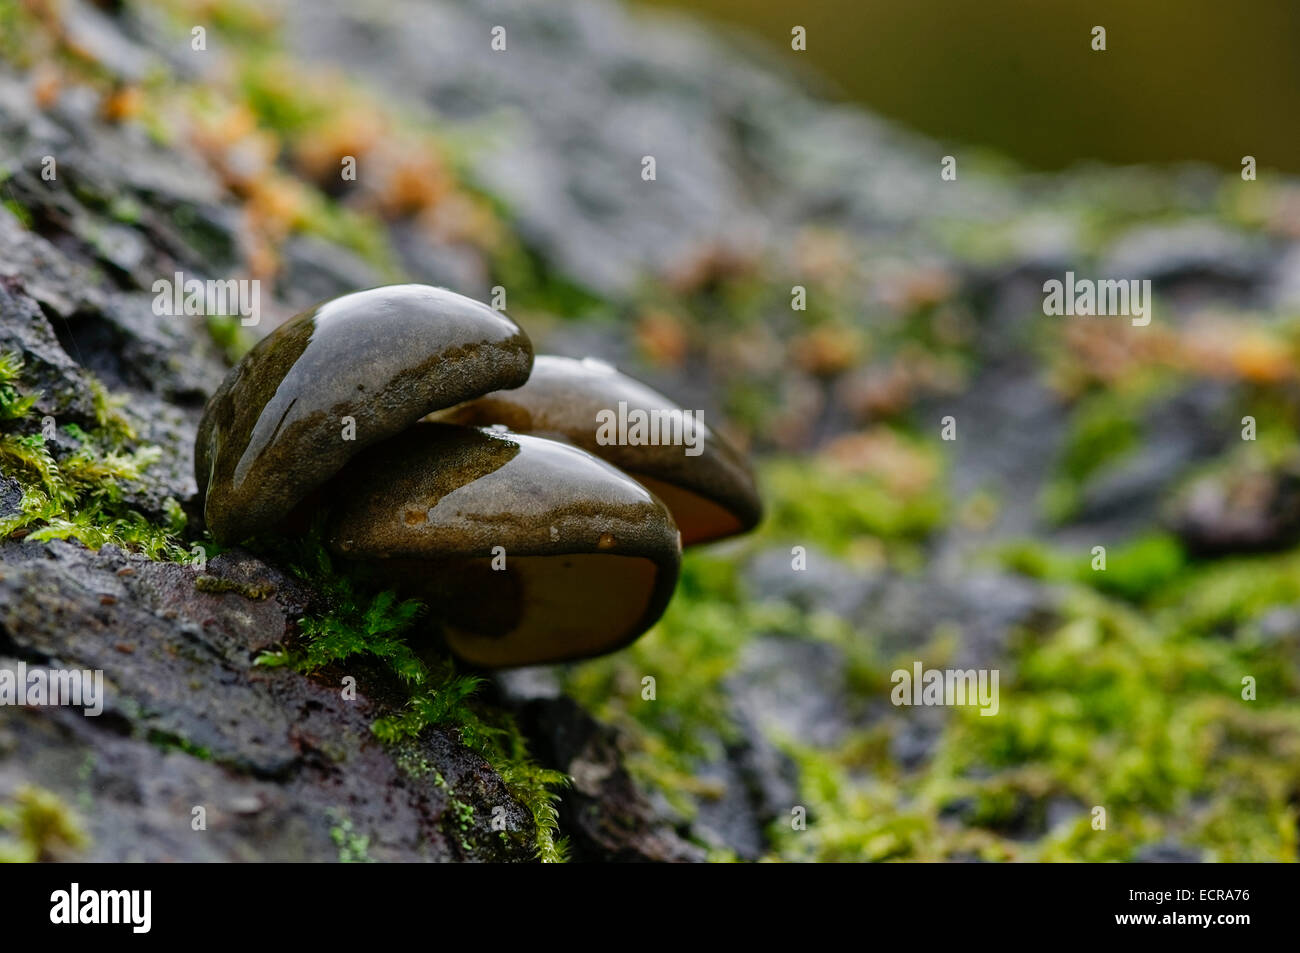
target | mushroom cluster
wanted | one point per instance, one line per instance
(450, 464)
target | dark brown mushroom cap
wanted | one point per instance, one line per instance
(711, 495)
(274, 430)
(589, 556)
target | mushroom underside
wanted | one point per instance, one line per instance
(698, 518)
(536, 609)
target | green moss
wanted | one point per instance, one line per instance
(688, 654)
(813, 502)
(1225, 599)
(39, 826)
(215, 585)
(170, 741)
(1105, 711)
(362, 624)
(1130, 701)
(124, 209)
(207, 239)
(411, 760)
(229, 335)
(1140, 567)
(1107, 423)
(268, 88)
(80, 494)
(353, 847)
(1134, 570)
(1096, 206)
(19, 212)
(1120, 710)
(14, 405)
(461, 816)
(1101, 431)
(362, 233)
(16, 25)
(534, 285)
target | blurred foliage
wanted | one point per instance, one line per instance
(1131, 701)
(36, 825)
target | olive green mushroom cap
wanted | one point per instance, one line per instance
(711, 494)
(529, 550)
(333, 380)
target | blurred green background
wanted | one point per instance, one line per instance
(1181, 79)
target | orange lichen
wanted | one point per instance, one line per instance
(827, 350)
(709, 267)
(47, 85)
(880, 452)
(122, 103)
(661, 337)
(906, 288)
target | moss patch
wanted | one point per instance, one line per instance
(215, 585)
(1132, 703)
(73, 487)
(36, 825)
(360, 624)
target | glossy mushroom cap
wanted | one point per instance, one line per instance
(711, 495)
(529, 550)
(275, 429)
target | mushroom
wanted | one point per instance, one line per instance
(528, 550)
(711, 493)
(364, 365)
